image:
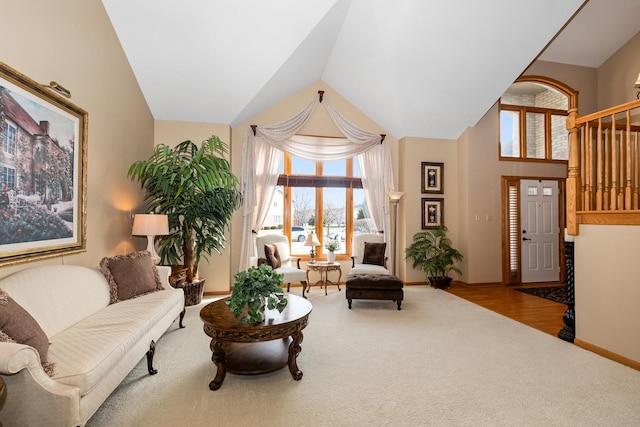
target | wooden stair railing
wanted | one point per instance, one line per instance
(604, 167)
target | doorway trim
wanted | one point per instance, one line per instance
(510, 225)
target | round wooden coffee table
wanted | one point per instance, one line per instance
(250, 349)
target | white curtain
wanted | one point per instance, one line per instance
(263, 150)
(377, 180)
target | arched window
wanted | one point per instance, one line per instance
(533, 116)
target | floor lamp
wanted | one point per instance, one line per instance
(394, 198)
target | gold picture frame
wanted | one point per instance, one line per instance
(43, 171)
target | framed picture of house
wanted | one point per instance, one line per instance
(432, 177)
(432, 213)
(43, 173)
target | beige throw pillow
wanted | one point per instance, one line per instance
(130, 275)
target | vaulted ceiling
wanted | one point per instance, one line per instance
(424, 68)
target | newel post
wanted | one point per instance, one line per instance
(573, 179)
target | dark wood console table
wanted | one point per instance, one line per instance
(250, 349)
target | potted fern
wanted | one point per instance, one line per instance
(431, 251)
(195, 187)
(254, 290)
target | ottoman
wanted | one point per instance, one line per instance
(374, 286)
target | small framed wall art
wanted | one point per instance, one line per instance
(433, 178)
(432, 213)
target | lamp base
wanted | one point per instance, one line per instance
(151, 247)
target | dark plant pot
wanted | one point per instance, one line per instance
(193, 292)
(440, 282)
(178, 276)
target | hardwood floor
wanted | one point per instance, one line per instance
(539, 313)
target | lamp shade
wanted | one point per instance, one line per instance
(395, 195)
(150, 225)
(312, 240)
(638, 82)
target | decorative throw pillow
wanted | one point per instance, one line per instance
(17, 325)
(374, 253)
(273, 256)
(130, 275)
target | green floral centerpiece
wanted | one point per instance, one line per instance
(253, 290)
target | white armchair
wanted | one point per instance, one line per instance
(291, 272)
(358, 266)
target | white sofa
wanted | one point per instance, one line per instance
(93, 344)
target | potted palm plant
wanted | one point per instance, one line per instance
(195, 187)
(431, 251)
(254, 290)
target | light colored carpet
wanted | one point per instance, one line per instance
(441, 361)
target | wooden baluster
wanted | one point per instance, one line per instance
(636, 182)
(620, 170)
(588, 168)
(583, 167)
(615, 166)
(599, 168)
(627, 187)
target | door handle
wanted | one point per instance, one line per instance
(525, 239)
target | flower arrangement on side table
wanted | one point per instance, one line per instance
(253, 290)
(332, 245)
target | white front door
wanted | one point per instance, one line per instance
(539, 231)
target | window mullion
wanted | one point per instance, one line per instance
(547, 136)
(523, 132)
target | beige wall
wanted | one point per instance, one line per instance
(618, 74)
(215, 271)
(607, 295)
(74, 44)
(414, 152)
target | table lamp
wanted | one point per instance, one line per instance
(312, 240)
(150, 225)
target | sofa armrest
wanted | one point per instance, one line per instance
(15, 357)
(23, 376)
